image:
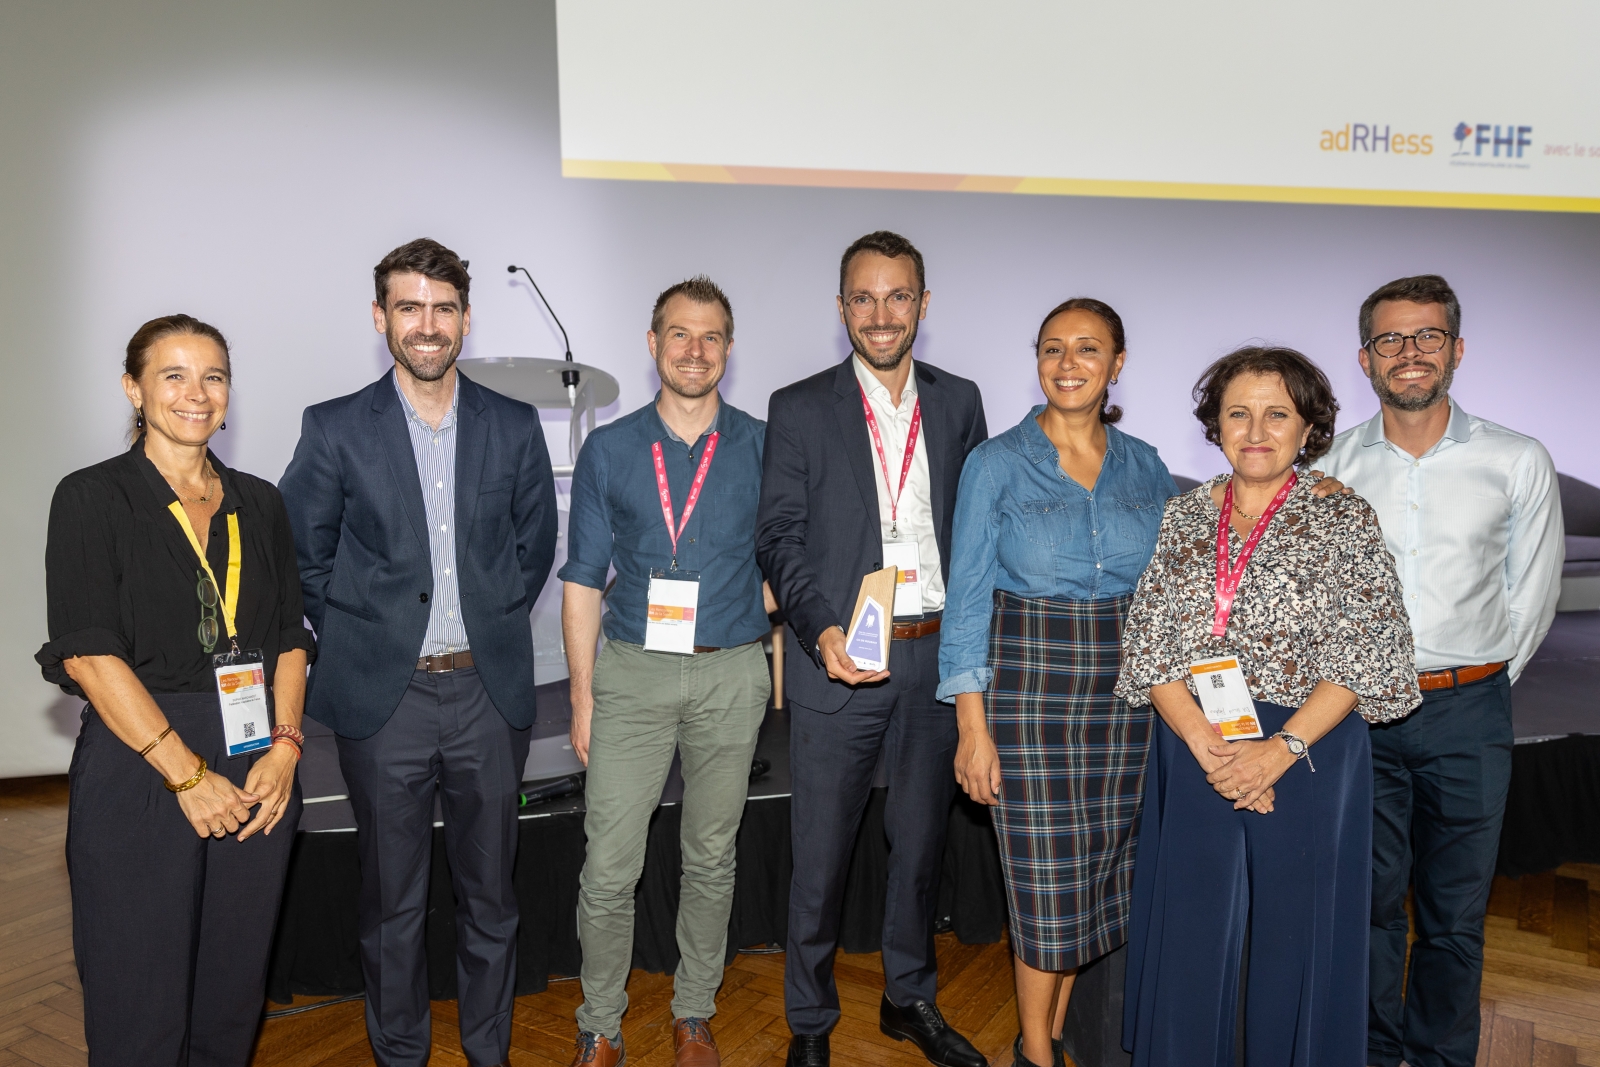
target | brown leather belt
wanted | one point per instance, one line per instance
(444, 663)
(1451, 677)
(910, 631)
(706, 648)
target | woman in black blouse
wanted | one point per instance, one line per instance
(177, 852)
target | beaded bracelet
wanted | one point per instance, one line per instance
(193, 781)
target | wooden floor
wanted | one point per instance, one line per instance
(1541, 984)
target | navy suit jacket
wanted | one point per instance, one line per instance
(818, 531)
(355, 503)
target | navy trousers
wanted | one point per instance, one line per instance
(447, 736)
(1297, 878)
(1440, 779)
(832, 759)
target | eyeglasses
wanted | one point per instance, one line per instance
(1389, 345)
(208, 631)
(900, 303)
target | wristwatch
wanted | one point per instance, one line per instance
(1297, 747)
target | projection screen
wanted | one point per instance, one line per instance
(1468, 104)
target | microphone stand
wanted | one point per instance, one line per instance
(569, 377)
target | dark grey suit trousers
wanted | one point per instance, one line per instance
(445, 735)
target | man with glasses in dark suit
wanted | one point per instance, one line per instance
(860, 472)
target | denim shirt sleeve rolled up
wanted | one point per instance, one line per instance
(1023, 526)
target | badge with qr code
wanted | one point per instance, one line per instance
(1225, 698)
(242, 691)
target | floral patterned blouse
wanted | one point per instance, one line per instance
(1320, 599)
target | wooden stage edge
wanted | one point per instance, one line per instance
(1541, 988)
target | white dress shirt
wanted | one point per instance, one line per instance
(916, 500)
(1474, 525)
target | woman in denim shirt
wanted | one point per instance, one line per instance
(1055, 521)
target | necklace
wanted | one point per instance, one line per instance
(211, 476)
(1242, 515)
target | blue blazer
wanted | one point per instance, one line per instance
(817, 523)
(355, 503)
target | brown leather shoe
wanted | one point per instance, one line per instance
(694, 1044)
(597, 1051)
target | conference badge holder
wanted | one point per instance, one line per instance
(672, 599)
(242, 691)
(1225, 698)
(903, 556)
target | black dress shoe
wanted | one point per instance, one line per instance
(808, 1050)
(921, 1023)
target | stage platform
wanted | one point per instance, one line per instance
(1552, 817)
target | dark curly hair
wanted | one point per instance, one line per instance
(1307, 385)
(1109, 412)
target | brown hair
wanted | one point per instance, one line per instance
(137, 357)
(1307, 386)
(428, 258)
(1109, 412)
(885, 243)
(1419, 289)
(701, 290)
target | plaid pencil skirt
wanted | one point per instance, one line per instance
(1072, 760)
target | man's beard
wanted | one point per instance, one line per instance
(1411, 401)
(425, 368)
(891, 361)
(684, 389)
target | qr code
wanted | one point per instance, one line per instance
(1217, 682)
(249, 730)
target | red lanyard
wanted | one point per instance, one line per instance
(1228, 578)
(694, 490)
(883, 462)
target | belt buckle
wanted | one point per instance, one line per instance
(447, 658)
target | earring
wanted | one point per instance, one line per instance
(138, 418)
(1113, 381)
(224, 425)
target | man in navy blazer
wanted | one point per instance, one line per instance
(424, 517)
(860, 470)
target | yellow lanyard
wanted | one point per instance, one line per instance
(230, 598)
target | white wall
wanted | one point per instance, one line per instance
(250, 163)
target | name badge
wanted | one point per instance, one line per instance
(908, 588)
(1225, 698)
(242, 690)
(672, 599)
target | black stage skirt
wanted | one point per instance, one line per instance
(1072, 759)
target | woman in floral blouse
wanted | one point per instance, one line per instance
(1258, 798)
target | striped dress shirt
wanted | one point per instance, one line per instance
(435, 451)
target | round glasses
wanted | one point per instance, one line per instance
(208, 631)
(1389, 345)
(862, 305)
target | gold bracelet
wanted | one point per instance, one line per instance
(193, 781)
(145, 751)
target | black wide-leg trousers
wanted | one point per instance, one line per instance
(171, 930)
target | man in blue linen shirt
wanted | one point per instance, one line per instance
(686, 579)
(1471, 512)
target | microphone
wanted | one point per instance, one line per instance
(569, 376)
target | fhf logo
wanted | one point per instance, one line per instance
(1361, 137)
(1471, 140)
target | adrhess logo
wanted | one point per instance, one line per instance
(1485, 139)
(1361, 137)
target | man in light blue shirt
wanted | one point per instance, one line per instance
(1471, 512)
